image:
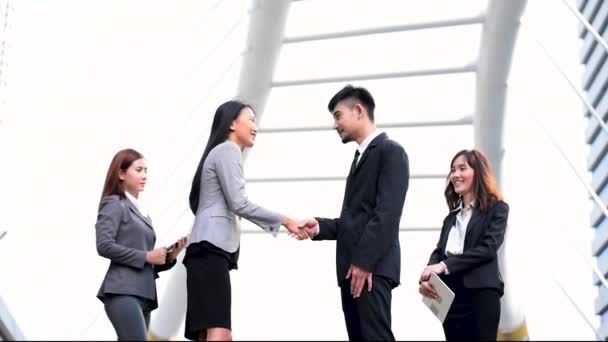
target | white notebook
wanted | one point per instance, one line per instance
(440, 306)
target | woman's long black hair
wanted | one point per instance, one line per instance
(220, 129)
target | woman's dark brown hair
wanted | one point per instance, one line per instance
(122, 161)
(485, 190)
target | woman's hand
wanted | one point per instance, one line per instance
(157, 256)
(295, 228)
(427, 290)
(437, 268)
(179, 246)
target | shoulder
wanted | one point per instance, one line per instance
(449, 217)
(227, 149)
(390, 145)
(110, 200)
(111, 204)
(392, 150)
(500, 205)
(499, 208)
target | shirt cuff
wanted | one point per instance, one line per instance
(274, 230)
(445, 267)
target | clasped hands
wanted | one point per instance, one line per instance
(301, 229)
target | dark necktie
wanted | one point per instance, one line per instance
(354, 164)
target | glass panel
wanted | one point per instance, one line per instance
(343, 15)
(380, 53)
(409, 99)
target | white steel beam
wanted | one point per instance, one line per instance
(387, 29)
(330, 179)
(367, 77)
(496, 51)
(264, 40)
(465, 121)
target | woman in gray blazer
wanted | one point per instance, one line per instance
(125, 235)
(218, 200)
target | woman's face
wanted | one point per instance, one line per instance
(244, 128)
(135, 178)
(462, 175)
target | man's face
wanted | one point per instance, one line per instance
(347, 117)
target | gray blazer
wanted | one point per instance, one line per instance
(124, 236)
(223, 198)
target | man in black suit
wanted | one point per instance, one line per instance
(368, 256)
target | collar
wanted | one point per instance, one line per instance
(134, 201)
(363, 146)
(459, 207)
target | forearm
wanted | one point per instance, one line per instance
(487, 248)
(328, 229)
(121, 254)
(435, 256)
(374, 245)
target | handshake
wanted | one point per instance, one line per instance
(301, 229)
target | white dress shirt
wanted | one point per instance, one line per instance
(455, 243)
(136, 203)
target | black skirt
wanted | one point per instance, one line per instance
(208, 288)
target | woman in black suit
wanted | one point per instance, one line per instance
(466, 254)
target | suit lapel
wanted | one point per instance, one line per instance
(362, 159)
(446, 232)
(368, 150)
(473, 223)
(133, 208)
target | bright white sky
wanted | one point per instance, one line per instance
(82, 80)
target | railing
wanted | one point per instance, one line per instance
(9, 330)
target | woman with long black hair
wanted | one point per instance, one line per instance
(218, 200)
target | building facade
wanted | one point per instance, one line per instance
(594, 83)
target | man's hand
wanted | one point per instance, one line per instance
(357, 282)
(310, 227)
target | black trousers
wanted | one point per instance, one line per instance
(369, 316)
(474, 314)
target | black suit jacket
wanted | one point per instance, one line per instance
(367, 231)
(478, 263)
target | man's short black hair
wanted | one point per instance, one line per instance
(357, 93)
